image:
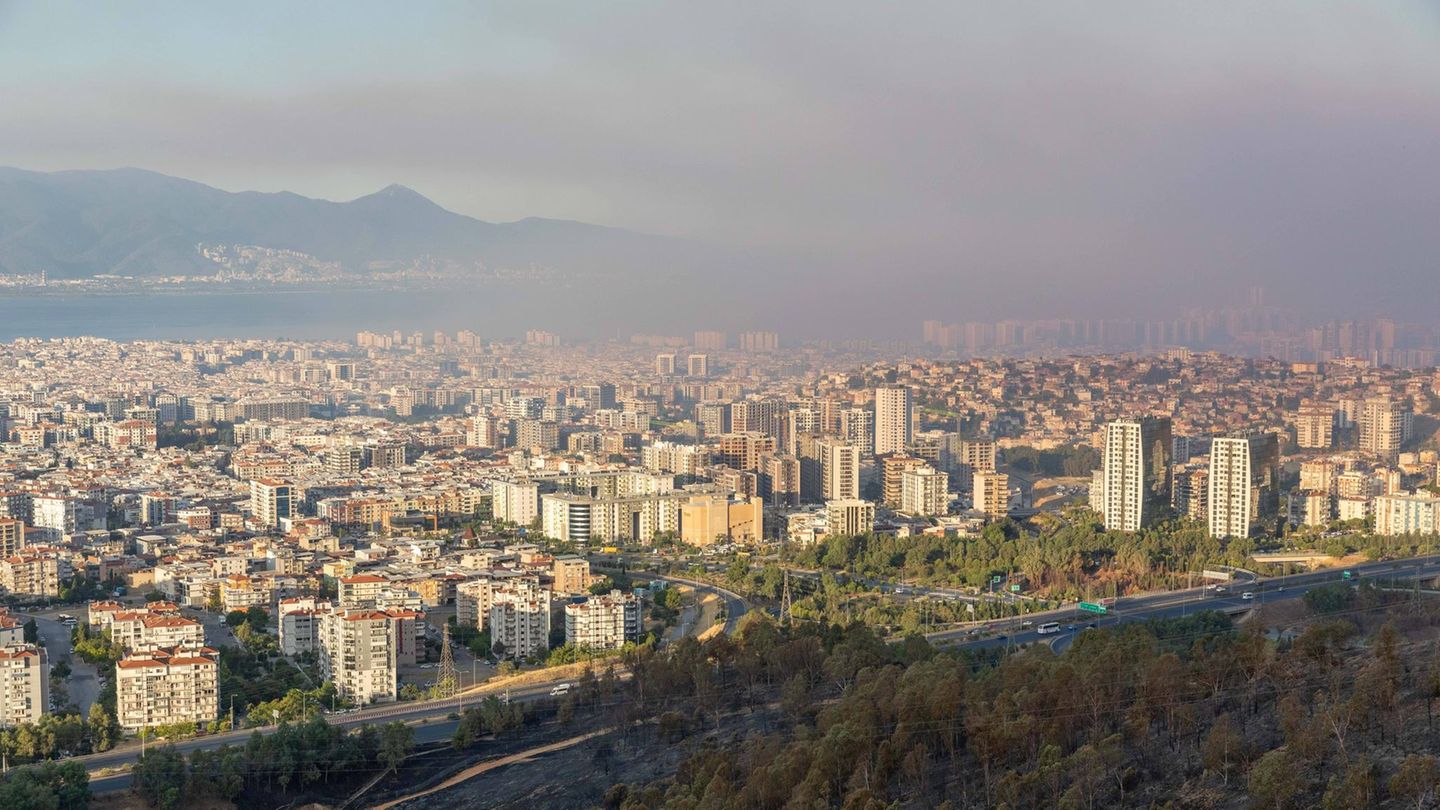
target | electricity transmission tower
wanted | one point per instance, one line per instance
(785, 601)
(448, 682)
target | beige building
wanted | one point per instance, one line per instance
(167, 686)
(271, 501)
(12, 537)
(1315, 427)
(31, 572)
(839, 470)
(711, 517)
(849, 517)
(24, 684)
(1384, 425)
(361, 590)
(894, 412)
(571, 574)
(992, 493)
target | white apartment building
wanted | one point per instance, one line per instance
(24, 684)
(1407, 514)
(839, 470)
(894, 412)
(151, 631)
(924, 491)
(1244, 473)
(520, 622)
(517, 502)
(1385, 424)
(359, 654)
(1137, 472)
(166, 686)
(361, 590)
(603, 622)
(271, 501)
(299, 623)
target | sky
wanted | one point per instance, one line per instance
(1029, 154)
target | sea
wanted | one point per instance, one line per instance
(297, 314)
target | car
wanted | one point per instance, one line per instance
(1090, 626)
(1027, 624)
(1001, 637)
(1247, 595)
(1070, 628)
(1221, 589)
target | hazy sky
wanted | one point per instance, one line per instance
(1159, 146)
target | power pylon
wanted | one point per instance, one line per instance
(785, 617)
(447, 684)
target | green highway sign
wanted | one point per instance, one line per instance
(996, 578)
(1015, 588)
(1094, 608)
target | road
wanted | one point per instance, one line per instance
(431, 717)
(83, 685)
(1177, 603)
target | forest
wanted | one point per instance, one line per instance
(1186, 712)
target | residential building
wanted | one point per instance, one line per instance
(604, 622)
(1413, 514)
(520, 622)
(24, 684)
(707, 518)
(894, 415)
(167, 686)
(271, 501)
(1244, 483)
(1385, 425)
(31, 572)
(1137, 472)
(839, 470)
(12, 537)
(991, 493)
(359, 654)
(849, 517)
(924, 491)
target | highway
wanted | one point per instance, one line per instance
(431, 718)
(1010, 633)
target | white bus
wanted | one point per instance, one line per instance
(1048, 627)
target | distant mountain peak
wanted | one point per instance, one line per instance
(394, 193)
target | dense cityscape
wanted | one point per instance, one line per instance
(749, 406)
(199, 537)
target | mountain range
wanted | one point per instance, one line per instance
(133, 222)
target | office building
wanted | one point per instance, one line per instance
(1137, 472)
(1244, 483)
(708, 518)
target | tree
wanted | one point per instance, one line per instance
(1417, 779)
(257, 617)
(1223, 747)
(235, 618)
(160, 776)
(397, 740)
(1355, 790)
(102, 728)
(1274, 782)
(32, 632)
(48, 786)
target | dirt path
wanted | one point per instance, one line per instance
(490, 765)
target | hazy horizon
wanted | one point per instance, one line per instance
(1030, 160)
